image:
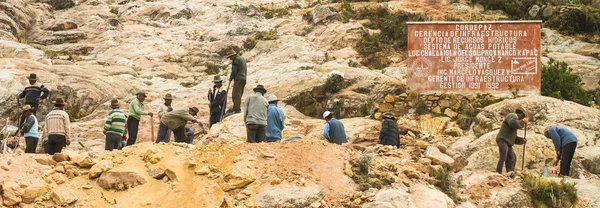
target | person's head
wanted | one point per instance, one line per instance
(32, 78)
(327, 115)
(389, 115)
(141, 96)
(114, 103)
(546, 132)
(261, 89)
(26, 110)
(218, 81)
(231, 54)
(521, 113)
(193, 111)
(168, 99)
(273, 100)
(59, 103)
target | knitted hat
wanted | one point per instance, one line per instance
(114, 103)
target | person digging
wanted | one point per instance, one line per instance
(565, 144)
(507, 137)
(176, 121)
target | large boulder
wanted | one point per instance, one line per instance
(324, 14)
(393, 198)
(100, 167)
(286, 195)
(437, 157)
(12, 195)
(422, 196)
(16, 17)
(120, 180)
(63, 196)
(543, 111)
(33, 191)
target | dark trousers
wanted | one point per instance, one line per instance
(507, 156)
(34, 107)
(112, 141)
(215, 118)
(238, 91)
(178, 133)
(56, 143)
(132, 129)
(163, 134)
(30, 144)
(256, 133)
(566, 156)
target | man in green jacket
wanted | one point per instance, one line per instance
(176, 121)
(507, 137)
(114, 127)
(238, 75)
(135, 112)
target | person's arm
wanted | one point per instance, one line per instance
(161, 111)
(246, 109)
(138, 109)
(67, 127)
(22, 95)
(282, 121)
(514, 122)
(45, 91)
(234, 69)
(108, 122)
(326, 131)
(27, 125)
(220, 99)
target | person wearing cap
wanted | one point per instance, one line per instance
(34, 92)
(238, 76)
(135, 113)
(565, 143)
(507, 137)
(334, 130)
(58, 128)
(114, 127)
(216, 99)
(30, 130)
(255, 115)
(389, 135)
(163, 109)
(275, 120)
(176, 121)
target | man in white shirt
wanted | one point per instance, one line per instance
(162, 110)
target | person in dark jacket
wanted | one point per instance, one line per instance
(217, 98)
(30, 130)
(34, 93)
(389, 135)
(507, 137)
(334, 130)
(238, 76)
(565, 144)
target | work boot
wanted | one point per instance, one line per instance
(229, 111)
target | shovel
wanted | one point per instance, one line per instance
(524, 148)
(152, 126)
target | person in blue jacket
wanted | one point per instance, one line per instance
(30, 129)
(334, 130)
(565, 144)
(275, 120)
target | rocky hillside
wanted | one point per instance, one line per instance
(91, 51)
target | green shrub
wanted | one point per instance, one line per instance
(517, 9)
(334, 83)
(420, 106)
(252, 40)
(188, 84)
(444, 180)
(364, 162)
(269, 13)
(548, 193)
(212, 68)
(51, 54)
(559, 82)
(584, 20)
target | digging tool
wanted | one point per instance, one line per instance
(5, 139)
(524, 148)
(152, 126)
(225, 104)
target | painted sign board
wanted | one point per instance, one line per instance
(471, 57)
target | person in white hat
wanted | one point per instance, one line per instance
(334, 130)
(164, 109)
(275, 120)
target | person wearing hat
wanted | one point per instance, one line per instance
(275, 120)
(176, 121)
(389, 135)
(135, 113)
(216, 99)
(58, 128)
(507, 137)
(238, 76)
(30, 130)
(34, 93)
(334, 130)
(255, 115)
(162, 110)
(565, 143)
(114, 127)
